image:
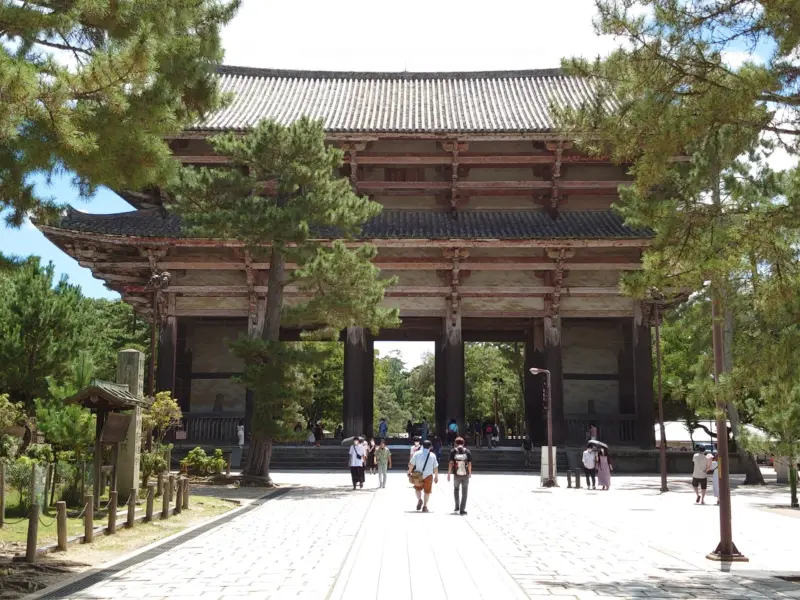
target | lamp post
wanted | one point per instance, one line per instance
(551, 479)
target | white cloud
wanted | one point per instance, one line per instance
(416, 35)
(410, 352)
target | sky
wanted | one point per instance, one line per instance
(364, 35)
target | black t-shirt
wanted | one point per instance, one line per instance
(527, 444)
(456, 451)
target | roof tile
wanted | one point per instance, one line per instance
(493, 101)
(397, 224)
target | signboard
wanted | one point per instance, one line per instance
(180, 434)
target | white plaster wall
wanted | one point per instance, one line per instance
(210, 277)
(210, 352)
(593, 278)
(188, 303)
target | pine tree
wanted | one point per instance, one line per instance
(40, 330)
(93, 86)
(281, 199)
(696, 133)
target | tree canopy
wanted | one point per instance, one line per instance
(91, 87)
(282, 198)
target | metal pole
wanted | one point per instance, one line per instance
(726, 549)
(551, 480)
(662, 429)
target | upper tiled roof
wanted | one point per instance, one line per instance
(487, 102)
(398, 224)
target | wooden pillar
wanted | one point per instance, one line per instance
(440, 387)
(167, 348)
(627, 384)
(455, 405)
(643, 373)
(368, 382)
(98, 453)
(553, 363)
(355, 365)
(535, 386)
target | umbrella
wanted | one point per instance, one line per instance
(600, 444)
(348, 440)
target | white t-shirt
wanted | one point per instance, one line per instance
(700, 466)
(418, 460)
(356, 455)
(589, 459)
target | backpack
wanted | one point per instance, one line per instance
(453, 427)
(460, 459)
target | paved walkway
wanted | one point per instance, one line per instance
(324, 541)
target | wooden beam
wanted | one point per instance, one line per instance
(410, 263)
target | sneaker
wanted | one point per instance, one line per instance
(455, 509)
(697, 501)
(424, 509)
(361, 486)
(462, 512)
(419, 504)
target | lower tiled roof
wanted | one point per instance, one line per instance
(397, 224)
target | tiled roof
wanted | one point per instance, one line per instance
(494, 101)
(398, 224)
(116, 395)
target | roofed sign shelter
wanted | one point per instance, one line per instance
(495, 226)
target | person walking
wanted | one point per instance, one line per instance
(356, 463)
(460, 466)
(495, 434)
(478, 432)
(487, 434)
(425, 430)
(409, 429)
(527, 448)
(452, 433)
(715, 475)
(415, 447)
(702, 465)
(590, 466)
(383, 456)
(383, 428)
(604, 469)
(318, 433)
(423, 471)
(372, 466)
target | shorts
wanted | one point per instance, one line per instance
(701, 482)
(427, 485)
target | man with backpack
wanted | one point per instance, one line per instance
(460, 467)
(423, 472)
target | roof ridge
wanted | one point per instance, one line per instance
(406, 75)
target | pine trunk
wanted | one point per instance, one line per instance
(260, 453)
(258, 459)
(793, 482)
(753, 474)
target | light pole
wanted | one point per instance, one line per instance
(551, 479)
(662, 429)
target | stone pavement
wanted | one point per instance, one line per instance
(324, 541)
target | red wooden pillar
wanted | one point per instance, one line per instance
(535, 387)
(643, 374)
(167, 348)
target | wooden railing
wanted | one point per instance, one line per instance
(210, 427)
(611, 429)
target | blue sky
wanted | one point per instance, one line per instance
(28, 240)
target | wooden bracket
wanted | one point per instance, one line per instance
(456, 275)
(552, 320)
(351, 150)
(454, 147)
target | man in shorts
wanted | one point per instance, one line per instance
(702, 464)
(424, 461)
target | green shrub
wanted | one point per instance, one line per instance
(198, 462)
(9, 447)
(41, 453)
(18, 476)
(151, 463)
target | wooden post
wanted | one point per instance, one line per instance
(170, 487)
(132, 507)
(227, 466)
(88, 519)
(112, 512)
(160, 481)
(33, 533)
(179, 496)
(32, 487)
(2, 493)
(83, 478)
(186, 493)
(354, 388)
(98, 454)
(61, 524)
(48, 482)
(151, 490)
(535, 418)
(165, 505)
